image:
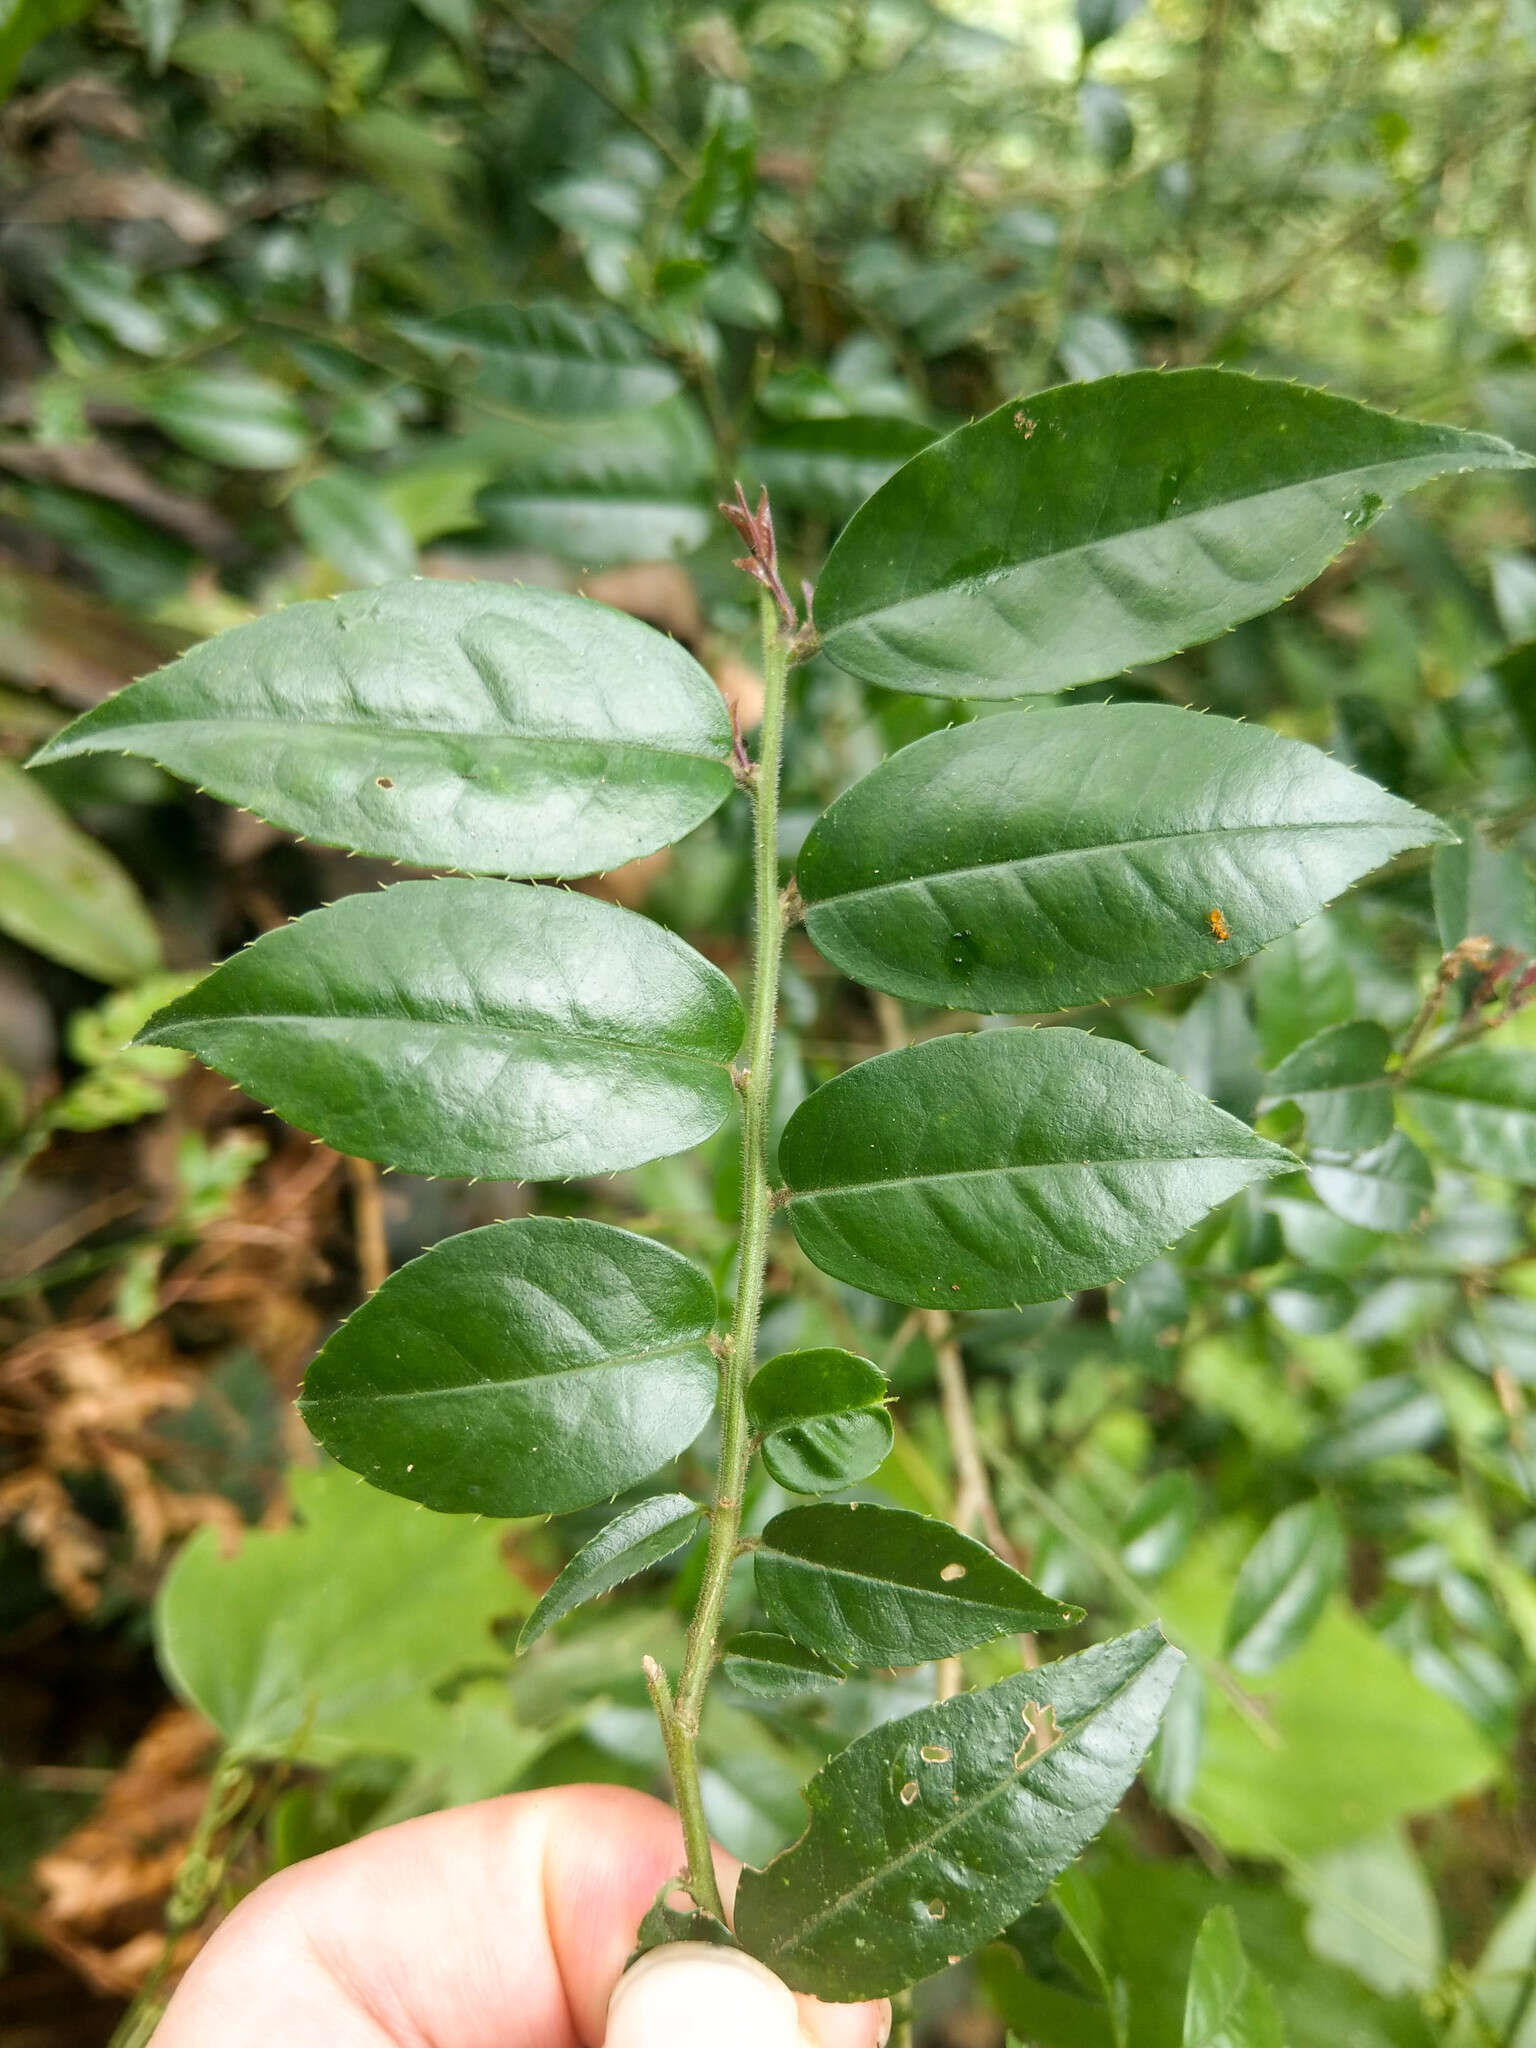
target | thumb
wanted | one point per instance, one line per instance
(692, 1994)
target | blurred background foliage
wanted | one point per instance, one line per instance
(255, 266)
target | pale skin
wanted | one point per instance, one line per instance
(500, 1925)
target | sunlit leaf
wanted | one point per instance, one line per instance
(328, 1639)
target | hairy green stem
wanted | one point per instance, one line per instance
(680, 1720)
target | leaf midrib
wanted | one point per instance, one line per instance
(907, 1180)
(943, 1594)
(1065, 853)
(674, 1348)
(556, 1034)
(382, 735)
(957, 1815)
(1346, 478)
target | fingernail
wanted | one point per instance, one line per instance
(692, 1994)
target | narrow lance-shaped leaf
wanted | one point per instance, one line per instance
(631, 1543)
(480, 726)
(931, 1834)
(821, 1415)
(877, 1586)
(1285, 1582)
(1069, 535)
(524, 1369)
(774, 1668)
(1043, 858)
(474, 1029)
(1007, 1167)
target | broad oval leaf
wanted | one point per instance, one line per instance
(1069, 535)
(481, 726)
(64, 895)
(1338, 1080)
(877, 1587)
(773, 1668)
(821, 1415)
(1478, 1107)
(1043, 858)
(1285, 1582)
(628, 1545)
(524, 1369)
(1388, 1188)
(934, 1832)
(1006, 1167)
(477, 1029)
(548, 359)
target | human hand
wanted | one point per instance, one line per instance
(500, 1925)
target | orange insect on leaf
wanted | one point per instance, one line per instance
(1220, 929)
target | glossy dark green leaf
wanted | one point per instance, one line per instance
(523, 1369)
(932, 1833)
(774, 1668)
(1038, 859)
(64, 895)
(1227, 2004)
(821, 1416)
(481, 726)
(1387, 1188)
(628, 1545)
(230, 417)
(347, 519)
(1069, 535)
(1478, 1107)
(1007, 1167)
(550, 360)
(1285, 1582)
(876, 1586)
(478, 1029)
(1338, 1080)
